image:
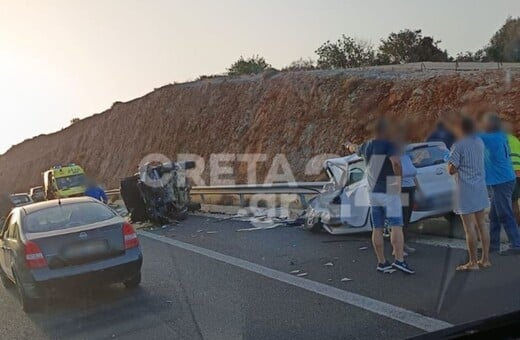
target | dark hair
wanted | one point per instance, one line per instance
(494, 122)
(467, 125)
(381, 126)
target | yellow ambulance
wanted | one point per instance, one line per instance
(64, 181)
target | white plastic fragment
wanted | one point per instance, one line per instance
(329, 264)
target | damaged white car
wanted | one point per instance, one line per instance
(342, 207)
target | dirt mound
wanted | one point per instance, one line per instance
(298, 114)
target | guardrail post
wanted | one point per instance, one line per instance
(242, 201)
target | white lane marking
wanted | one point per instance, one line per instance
(411, 318)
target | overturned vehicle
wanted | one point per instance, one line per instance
(159, 192)
(343, 205)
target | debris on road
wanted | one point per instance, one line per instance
(329, 264)
(363, 248)
(302, 274)
(267, 227)
(345, 279)
(212, 232)
(297, 271)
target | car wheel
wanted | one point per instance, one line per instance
(133, 282)
(28, 303)
(314, 226)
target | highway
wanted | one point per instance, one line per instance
(203, 279)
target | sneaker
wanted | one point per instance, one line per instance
(510, 251)
(383, 267)
(408, 249)
(403, 266)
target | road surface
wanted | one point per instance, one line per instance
(203, 279)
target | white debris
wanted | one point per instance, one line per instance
(211, 232)
(345, 279)
(329, 264)
(302, 274)
(267, 227)
(363, 248)
(295, 271)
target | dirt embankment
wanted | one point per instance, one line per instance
(298, 114)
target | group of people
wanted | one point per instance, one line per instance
(484, 158)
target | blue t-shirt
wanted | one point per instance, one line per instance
(497, 159)
(97, 193)
(377, 155)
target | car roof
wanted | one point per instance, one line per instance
(30, 208)
(342, 161)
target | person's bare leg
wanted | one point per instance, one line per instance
(397, 240)
(379, 244)
(469, 222)
(483, 234)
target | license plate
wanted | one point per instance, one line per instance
(86, 249)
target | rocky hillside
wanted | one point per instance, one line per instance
(298, 114)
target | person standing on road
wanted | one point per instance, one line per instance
(384, 183)
(466, 163)
(95, 191)
(409, 187)
(514, 149)
(501, 180)
(441, 134)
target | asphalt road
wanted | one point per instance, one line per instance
(203, 279)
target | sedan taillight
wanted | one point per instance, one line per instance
(130, 237)
(33, 256)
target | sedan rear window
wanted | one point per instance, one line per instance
(428, 155)
(66, 216)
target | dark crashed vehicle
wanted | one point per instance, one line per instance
(62, 243)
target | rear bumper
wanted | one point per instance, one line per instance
(118, 269)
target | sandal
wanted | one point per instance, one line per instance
(468, 267)
(484, 264)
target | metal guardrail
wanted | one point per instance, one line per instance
(292, 188)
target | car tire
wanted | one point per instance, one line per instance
(28, 303)
(133, 282)
(313, 226)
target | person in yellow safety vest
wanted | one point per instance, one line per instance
(514, 151)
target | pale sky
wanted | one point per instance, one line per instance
(65, 59)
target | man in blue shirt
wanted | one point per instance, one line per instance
(500, 179)
(441, 134)
(95, 191)
(384, 184)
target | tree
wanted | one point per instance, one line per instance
(469, 56)
(504, 46)
(410, 46)
(253, 65)
(301, 65)
(74, 120)
(345, 53)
